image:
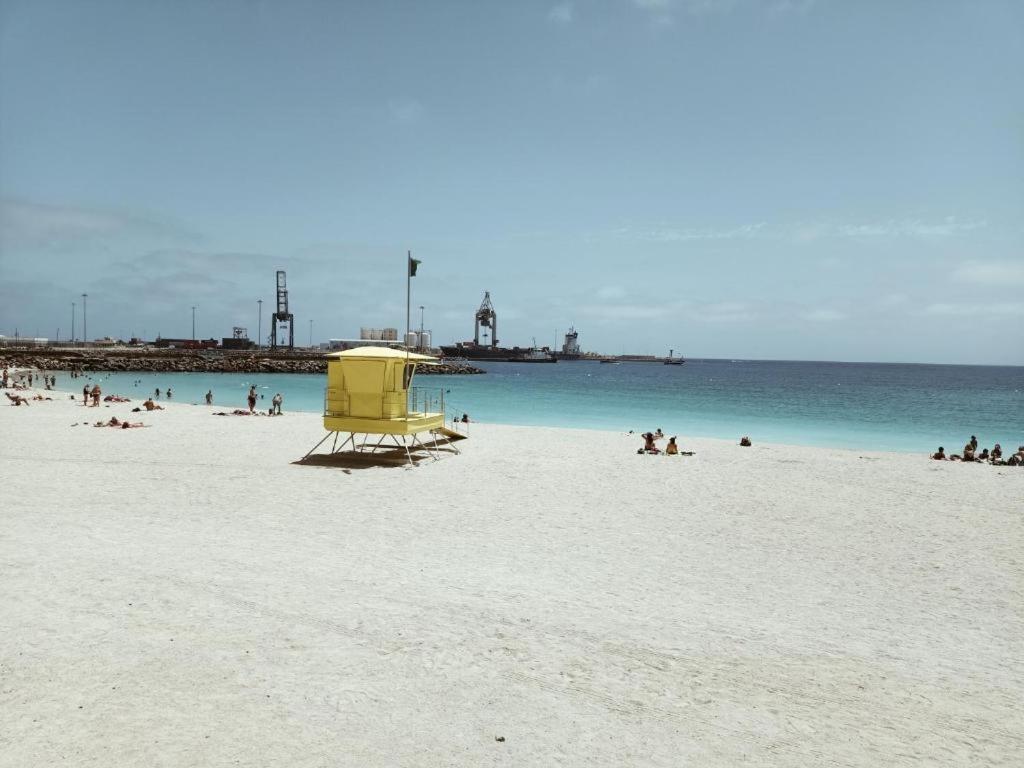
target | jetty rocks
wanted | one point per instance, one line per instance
(177, 361)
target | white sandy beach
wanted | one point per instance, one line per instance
(184, 595)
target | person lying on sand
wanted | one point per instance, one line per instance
(940, 455)
(40, 397)
(118, 424)
(16, 399)
(1017, 459)
(149, 405)
(115, 399)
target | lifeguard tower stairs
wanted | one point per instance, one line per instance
(370, 399)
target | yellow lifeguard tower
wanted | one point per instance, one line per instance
(369, 393)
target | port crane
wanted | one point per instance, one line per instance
(486, 317)
(282, 315)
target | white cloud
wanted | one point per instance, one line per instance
(405, 111)
(611, 292)
(722, 312)
(1003, 309)
(947, 227)
(628, 311)
(791, 6)
(561, 14)
(35, 225)
(673, 235)
(822, 315)
(894, 300)
(989, 273)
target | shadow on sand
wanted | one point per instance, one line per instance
(349, 460)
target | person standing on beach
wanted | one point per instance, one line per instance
(5, 379)
(276, 402)
(252, 398)
(85, 395)
(209, 397)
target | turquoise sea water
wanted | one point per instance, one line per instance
(850, 405)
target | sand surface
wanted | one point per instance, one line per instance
(184, 595)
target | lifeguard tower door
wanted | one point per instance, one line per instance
(282, 316)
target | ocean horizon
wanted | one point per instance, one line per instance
(905, 407)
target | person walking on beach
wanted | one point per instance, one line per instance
(252, 398)
(276, 403)
(209, 397)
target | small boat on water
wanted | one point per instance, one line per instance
(608, 361)
(536, 355)
(670, 360)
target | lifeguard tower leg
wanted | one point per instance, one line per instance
(321, 443)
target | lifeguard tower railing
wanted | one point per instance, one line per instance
(419, 400)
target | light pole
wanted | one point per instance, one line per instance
(73, 306)
(310, 334)
(85, 320)
(259, 324)
(419, 341)
(193, 323)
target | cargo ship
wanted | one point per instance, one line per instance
(486, 323)
(570, 347)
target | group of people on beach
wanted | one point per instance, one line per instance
(25, 379)
(994, 456)
(650, 445)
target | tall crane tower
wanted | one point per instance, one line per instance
(282, 315)
(486, 317)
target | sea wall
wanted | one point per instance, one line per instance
(173, 361)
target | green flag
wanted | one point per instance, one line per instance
(413, 263)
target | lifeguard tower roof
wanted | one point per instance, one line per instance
(381, 353)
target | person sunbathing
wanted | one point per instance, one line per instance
(997, 452)
(745, 441)
(671, 449)
(649, 444)
(149, 405)
(940, 455)
(16, 399)
(984, 455)
(1017, 459)
(968, 452)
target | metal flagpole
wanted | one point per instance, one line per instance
(408, 294)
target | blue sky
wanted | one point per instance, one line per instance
(791, 179)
